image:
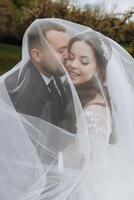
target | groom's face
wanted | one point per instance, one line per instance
(59, 40)
(46, 57)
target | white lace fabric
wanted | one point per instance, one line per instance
(99, 127)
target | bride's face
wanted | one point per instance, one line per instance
(81, 64)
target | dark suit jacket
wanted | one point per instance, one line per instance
(30, 95)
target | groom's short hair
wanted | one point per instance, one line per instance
(38, 32)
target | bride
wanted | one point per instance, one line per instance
(41, 160)
(86, 66)
(110, 175)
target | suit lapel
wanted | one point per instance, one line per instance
(35, 82)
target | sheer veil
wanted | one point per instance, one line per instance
(120, 81)
(36, 143)
(45, 143)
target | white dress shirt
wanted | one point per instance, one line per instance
(47, 81)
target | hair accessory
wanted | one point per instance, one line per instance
(106, 50)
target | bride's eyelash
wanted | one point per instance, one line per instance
(85, 63)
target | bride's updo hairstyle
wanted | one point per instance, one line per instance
(101, 47)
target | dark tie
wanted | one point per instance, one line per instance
(56, 98)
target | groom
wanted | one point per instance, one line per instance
(38, 89)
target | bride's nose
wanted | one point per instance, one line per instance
(73, 64)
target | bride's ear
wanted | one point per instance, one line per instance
(36, 55)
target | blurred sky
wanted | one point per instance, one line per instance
(118, 5)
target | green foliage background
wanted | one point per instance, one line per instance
(17, 15)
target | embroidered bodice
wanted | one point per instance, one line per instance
(98, 119)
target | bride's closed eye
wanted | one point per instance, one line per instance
(84, 61)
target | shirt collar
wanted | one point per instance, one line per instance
(46, 78)
(63, 78)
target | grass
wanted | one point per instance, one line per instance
(10, 55)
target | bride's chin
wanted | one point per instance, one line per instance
(74, 80)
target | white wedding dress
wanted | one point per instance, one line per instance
(109, 176)
(99, 127)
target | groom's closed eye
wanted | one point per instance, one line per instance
(62, 49)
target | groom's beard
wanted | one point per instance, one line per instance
(64, 62)
(53, 69)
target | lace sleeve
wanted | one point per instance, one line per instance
(98, 121)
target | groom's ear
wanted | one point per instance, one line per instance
(35, 55)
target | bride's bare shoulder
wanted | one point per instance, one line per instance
(95, 108)
(97, 105)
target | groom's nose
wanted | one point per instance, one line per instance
(65, 54)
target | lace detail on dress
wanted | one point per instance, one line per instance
(98, 120)
(99, 128)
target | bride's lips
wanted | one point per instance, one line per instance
(73, 74)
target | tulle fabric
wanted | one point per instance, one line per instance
(35, 152)
(43, 160)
